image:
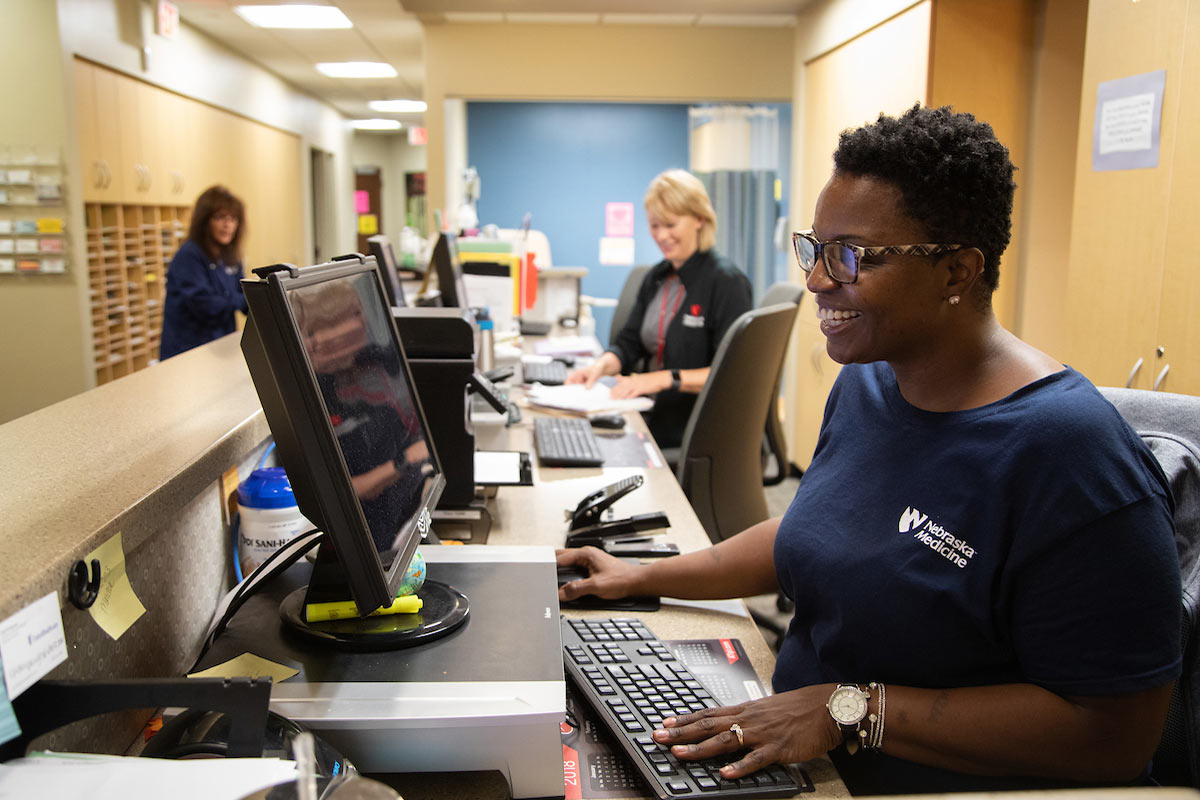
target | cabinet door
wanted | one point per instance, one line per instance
(1179, 322)
(1119, 224)
(107, 134)
(842, 91)
(90, 159)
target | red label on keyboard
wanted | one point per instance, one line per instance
(730, 651)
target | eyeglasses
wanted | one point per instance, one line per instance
(842, 260)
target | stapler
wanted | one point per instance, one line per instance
(587, 526)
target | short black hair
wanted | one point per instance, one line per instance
(954, 177)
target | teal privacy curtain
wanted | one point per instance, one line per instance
(735, 151)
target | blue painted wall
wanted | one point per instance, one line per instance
(562, 162)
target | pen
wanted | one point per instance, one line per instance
(346, 609)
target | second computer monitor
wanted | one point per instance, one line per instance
(449, 272)
(381, 248)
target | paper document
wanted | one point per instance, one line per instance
(118, 777)
(575, 398)
(499, 467)
(569, 346)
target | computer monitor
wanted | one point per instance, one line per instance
(449, 272)
(381, 248)
(337, 392)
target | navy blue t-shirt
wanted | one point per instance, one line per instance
(1026, 541)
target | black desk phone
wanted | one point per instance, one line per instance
(617, 536)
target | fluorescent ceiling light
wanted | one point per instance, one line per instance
(473, 17)
(747, 20)
(357, 69)
(293, 16)
(648, 19)
(377, 125)
(398, 106)
(542, 18)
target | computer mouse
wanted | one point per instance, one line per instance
(614, 421)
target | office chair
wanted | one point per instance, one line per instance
(720, 459)
(625, 302)
(1170, 426)
(774, 443)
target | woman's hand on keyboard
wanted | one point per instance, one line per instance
(780, 729)
(607, 576)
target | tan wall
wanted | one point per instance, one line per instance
(1047, 179)
(43, 356)
(598, 63)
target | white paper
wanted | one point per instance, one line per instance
(616, 251)
(118, 778)
(1126, 123)
(568, 346)
(577, 399)
(494, 467)
(32, 643)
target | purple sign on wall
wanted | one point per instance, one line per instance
(1128, 123)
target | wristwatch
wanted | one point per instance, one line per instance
(848, 707)
(676, 382)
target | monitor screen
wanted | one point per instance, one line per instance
(381, 248)
(337, 392)
(449, 271)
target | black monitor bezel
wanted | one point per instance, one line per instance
(448, 269)
(299, 420)
(385, 256)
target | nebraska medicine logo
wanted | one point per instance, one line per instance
(936, 537)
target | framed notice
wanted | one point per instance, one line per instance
(1128, 122)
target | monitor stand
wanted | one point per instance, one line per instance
(489, 695)
(443, 609)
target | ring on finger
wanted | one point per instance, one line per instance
(737, 731)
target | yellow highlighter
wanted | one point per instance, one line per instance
(346, 609)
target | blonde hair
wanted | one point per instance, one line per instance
(677, 192)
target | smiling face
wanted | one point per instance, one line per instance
(891, 312)
(678, 237)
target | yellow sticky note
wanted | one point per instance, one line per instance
(116, 607)
(368, 224)
(247, 665)
(50, 225)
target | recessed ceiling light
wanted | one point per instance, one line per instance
(293, 16)
(357, 69)
(377, 125)
(398, 106)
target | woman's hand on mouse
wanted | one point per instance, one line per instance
(780, 729)
(608, 576)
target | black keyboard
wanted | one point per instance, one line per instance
(566, 442)
(551, 373)
(632, 681)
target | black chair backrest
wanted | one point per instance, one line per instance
(628, 297)
(1170, 426)
(775, 441)
(720, 460)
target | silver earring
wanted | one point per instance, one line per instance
(953, 300)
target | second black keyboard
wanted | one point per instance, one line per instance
(566, 442)
(632, 681)
(548, 373)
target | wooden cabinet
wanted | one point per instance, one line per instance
(147, 154)
(129, 248)
(934, 53)
(1132, 283)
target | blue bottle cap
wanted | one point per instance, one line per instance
(266, 488)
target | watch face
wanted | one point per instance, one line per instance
(848, 705)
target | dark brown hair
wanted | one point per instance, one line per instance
(215, 200)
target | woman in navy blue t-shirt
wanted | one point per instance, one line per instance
(204, 280)
(981, 552)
